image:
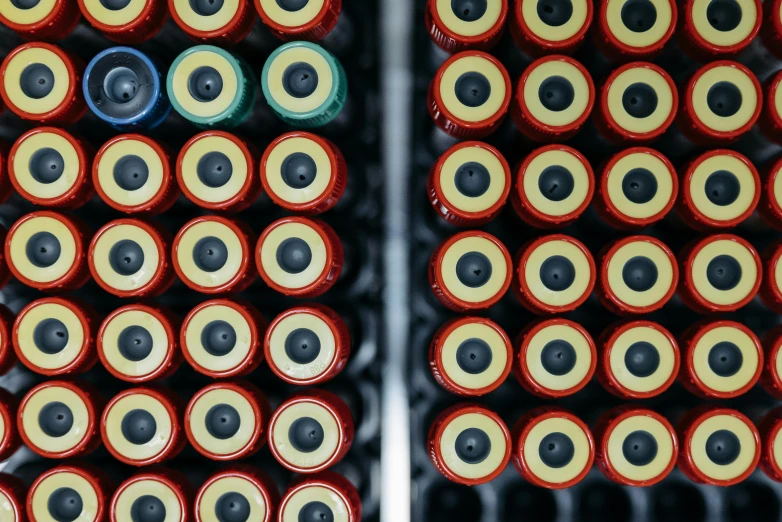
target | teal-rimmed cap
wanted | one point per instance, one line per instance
(304, 84)
(211, 87)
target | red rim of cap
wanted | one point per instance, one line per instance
(771, 90)
(15, 492)
(769, 194)
(324, 19)
(551, 46)
(165, 365)
(167, 477)
(85, 351)
(266, 487)
(9, 406)
(769, 429)
(771, 379)
(627, 50)
(31, 30)
(335, 483)
(711, 48)
(463, 40)
(142, 21)
(7, 354)
(605, 360)
(96, 484)
(82, 175)
(239, 18)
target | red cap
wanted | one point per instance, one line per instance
(247, 415)
(90, 483)
(340, 496)
(619, 42)
(770, 206)
(650, 283)
(62, 103)
(554, 358)
(556, 426)
(455, 260)
(771, 119)
(13, 492)
(553, 295)
(5, 185)
(704, 125)
(553, 123)
(771, 31)
(167, 485)
(153, 329)
(235, 239)
(628, 368)
(138, 405)
(552, 208)
(453, 461)
(71, 189)
(771, 378)
(536, 36)
(469, 184)
(69, 271)
(742, 439)
(8, 357)
(155, 274)
(470, 356)
(312, 22)
(722, 359)
(9, 433)
(649, 434)
(236, 195)
(771, 287)
(638, 187)
(459, 31)
(217, 362)
(328, 412)
(708, 290)
(228, 25)
(251, 483)
(50, 21)
(306, 321)
(57, 399)
(48, 317)
(325, 264)
(706, 35)
(485, 111)
(771, 452)
(131, 24)
(314, 196)
(154, 195)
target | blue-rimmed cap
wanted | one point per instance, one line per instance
(123, 87)
(304, 84)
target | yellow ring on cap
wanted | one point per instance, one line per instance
(551, 33)
(700, 19)
(215, 490)
(490, 71)
(64, 479)
(498, 273)
(661, 460)
(647, 38)
(110, 343)
(749, 272)
(198, 150)
(747, 188)
(246, 427)
(661, 88)
(24, 154)
(661, 261)
(33, 430)
(276, 77)
(662, 175)
(27, 16)
(327, 448)
(163, 426)
(102, 251)
(303, 16)
(448, 443)
(17, 65)
(25, 336)
(155, 488)
(195, 347)
(558, 332)
(665, 350)
(553, 297)
(281, 152)
(291, 368)
(269, 255)
(580, 93)
(496, 175)
(181, 82)
(749, 353)
(309, 494)
(475, 28)
(117, 151)
(19, 249)
(705, 464)
(569, 471)
(488, 376)
(115, 17)
(573, 165)
(202, 23)
(188, 242)
(741, 81)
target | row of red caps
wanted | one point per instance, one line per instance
(463, 121)
(237, 20)
(95, 421)
(87, 172)
(528, 29)
(111, 502)
(606, 445)
(606, 358)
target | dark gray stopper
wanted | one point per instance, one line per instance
(115, 5)
(218, 338)
(147, 508)
(25, 4)
(302, 346)
(642, 359)
(474, 356)
(55, 419)
(556, 183)
(639, 185)
(50, 336)
(472, 179)
(131, 172)
(724, 15)
(639, 273)
(473, 269)
(555, 12)
(294, 255)
(723, 272)
(639, 448)
(36, 81)
(556, 93)
(210, 254)
(558, 357)
(205, 8)
(315, 512)
(469, 10)
(46, 165)
(473, 445)
(121, 85)
(205, 84)
(135, 343)
(300, 79)
(557, 273)
(722, 187)
(214, 169)
(299, 170)
(222, 421)
(126, 257)
(43, 249)
(725, 359)
(723, 447)
(292, 5)
(64, 504)
(138, 426)
(639, 15)
(306, 434)
(472, 89)
(232, 507)
(639, 100)
(724, 99)
(556, 450)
